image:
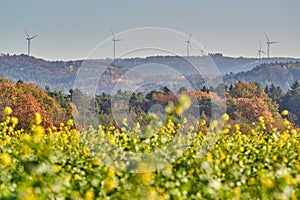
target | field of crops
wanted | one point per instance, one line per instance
(64, 163)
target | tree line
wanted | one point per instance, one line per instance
(245, 102)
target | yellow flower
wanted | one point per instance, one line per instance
(89, 195)
(225, 131)
(112, 139)
(69, 177)
(152, 194)
(170, 108)
(138, 126)
(124, 122)
(242, 149)
(29, 195)
(286, 122)
(68, 167)
(237, 127)
(191, 171)
(251, 181)
(146, 178)
(70, 123)
(209, 157)
(14, 121)
(191, 128)
(5, 159)
(111, 172)
(187, 154)
(76, 176)
(96, 162)
(261, 119)
(226, 117)
(237, 192)
(223, 155)
(110, 184)
(184, 101)
(37, 119)
(179, 110)
(57, 168)
(294, 132)
(290, 180)
(267, 181)
(10, 129)
(7, 110)
(285, 112)
(38, 132)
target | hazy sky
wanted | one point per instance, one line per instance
(70, 29)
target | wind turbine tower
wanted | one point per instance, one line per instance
(268, 44)
(28, 38)
(260, 51)
(114, 43)
(188, 45)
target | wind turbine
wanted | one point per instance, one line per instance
(114, 43)
(269, 43)
(28, 42)
(260, 51)
(188, 45)
(203, 50)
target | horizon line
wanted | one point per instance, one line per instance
(149, 56)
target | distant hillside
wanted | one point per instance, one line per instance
(60, 75)
(281, 74)
(224, 64)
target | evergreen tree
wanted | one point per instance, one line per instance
(275, 93)
(291, 101)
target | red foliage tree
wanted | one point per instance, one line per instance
(24, 109)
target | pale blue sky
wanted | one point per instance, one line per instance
(69, 29)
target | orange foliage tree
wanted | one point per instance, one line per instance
(252, 90)
(252, 108)
(55, 112)
(8, 94)
(25, 108)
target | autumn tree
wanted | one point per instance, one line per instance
(252, 90)
(8, 94)
(25, 108)
(14, 96)
(252, 108)
(55, 111)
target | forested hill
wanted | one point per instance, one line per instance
(280, 74)
(60, 75)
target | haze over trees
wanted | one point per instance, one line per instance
(60, 75)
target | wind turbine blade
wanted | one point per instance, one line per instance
(190, 37)
(26, 33)
(112, 33)
(33, 37)
(267, 37)
(259, 45)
